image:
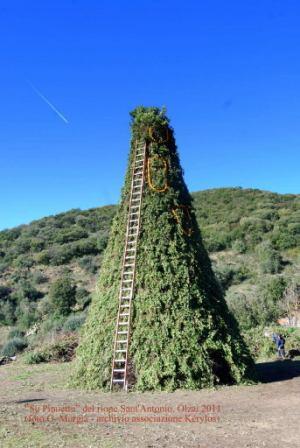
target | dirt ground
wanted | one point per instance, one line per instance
(36, 410)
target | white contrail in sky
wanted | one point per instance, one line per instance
(48, 102)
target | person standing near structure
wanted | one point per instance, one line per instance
(280, 343)
(280, 346)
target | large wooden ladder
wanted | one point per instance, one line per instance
(119, 374)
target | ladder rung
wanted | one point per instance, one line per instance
(128, 269)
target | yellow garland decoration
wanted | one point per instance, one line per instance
(186, 210)
(166, 186)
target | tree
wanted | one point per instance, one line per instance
(182, 333)
(62, 295)
(270, 260)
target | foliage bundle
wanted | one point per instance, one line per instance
(182, 334)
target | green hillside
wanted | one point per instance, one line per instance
(252, 237)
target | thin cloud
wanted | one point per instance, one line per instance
(48, 102)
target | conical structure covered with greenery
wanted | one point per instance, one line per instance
(182, 334)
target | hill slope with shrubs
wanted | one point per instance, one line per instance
(48, 268)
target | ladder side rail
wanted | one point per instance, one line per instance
(134, 268)
(123, 271)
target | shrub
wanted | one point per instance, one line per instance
(34, 358)
(241, 305)
(260, 346)
(62, 350)
(231, 274)
(239, 246)
(74, 322)
(267, 306)
(24, 262)
(83, 298)
(270, 260)
(15, 332)
(7, 312)
(68, 235)
(102, 242)
(43, 257)
(89, 264)
(62, 295)
(4, 292)
(38, 277)
(54, 324)
(13, 346)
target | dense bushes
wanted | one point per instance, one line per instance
(57, 239)
(62, 349)
(13, 346)
(260, 305)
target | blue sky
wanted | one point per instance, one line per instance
(228, 73)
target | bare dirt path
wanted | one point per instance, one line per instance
(36, 410)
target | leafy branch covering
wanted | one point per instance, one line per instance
(182, 334)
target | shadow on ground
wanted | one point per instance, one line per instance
(268, 372)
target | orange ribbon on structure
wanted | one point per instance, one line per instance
(150, 183)
(186, 211)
